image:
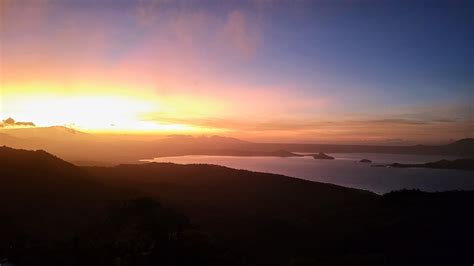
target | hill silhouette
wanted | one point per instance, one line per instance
(55, 212)
(37, 186)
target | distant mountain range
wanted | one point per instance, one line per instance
(53, 211)
(85, 148)
(464, 147)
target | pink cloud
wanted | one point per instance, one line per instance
(239, 35)
(147, 10)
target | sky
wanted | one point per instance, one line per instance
(291, 71)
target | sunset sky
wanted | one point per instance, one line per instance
(302, 71)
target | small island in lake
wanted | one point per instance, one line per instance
(365, 161)
(322, 156)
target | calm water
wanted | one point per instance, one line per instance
(347, 171)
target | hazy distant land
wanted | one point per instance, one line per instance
(77, 146)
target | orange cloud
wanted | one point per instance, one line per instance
(10, 122)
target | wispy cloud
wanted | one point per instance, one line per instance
(147, 11)
(239, 34)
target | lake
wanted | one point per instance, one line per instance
(346, 170)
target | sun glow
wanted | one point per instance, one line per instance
(93, 113)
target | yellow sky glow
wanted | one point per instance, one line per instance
(99, 112)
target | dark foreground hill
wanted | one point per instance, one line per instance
(39, 189)
(253, 211)
(54, 213)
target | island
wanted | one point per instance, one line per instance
(365, 161)
(322, 156)
(461, 164)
